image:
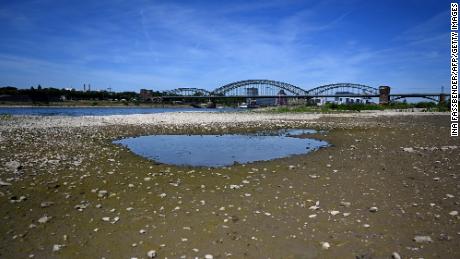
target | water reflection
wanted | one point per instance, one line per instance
(220, 150)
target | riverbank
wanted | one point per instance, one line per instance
(67, 192)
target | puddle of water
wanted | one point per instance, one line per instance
(218, 150)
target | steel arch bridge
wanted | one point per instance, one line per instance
(189, 92)
(343, 88)
(427, 97)
(264, 87)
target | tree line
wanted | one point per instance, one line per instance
(51, 94)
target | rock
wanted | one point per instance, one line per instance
(46, 204)
(234, 186)
(106, 219)
(208, 256)
(315, 207)
(81, 207)
(334, 212)
(102, 194)
(13, 166)
(395, 255)
(345, 204)
(453, 213)
(2, 183)
(423, 239)
(152, 254)
(44, 219)
(291, 167)
(57, 247)
(373, 209)
(408, 149)
(115, 220)
(15, 199)
(325, 245)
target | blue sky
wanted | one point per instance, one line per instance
(128, 45)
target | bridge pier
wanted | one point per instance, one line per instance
(442, 98)
(384, 95)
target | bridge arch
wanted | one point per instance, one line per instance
(431, 98)
(344, 87)
(257, 83)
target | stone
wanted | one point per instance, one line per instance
(44, 219)
(2, 183)
(408, 149)
(102, 194)
(234, 186)
(325, 245)
(453, 213)
(334, 212)
(395, 255)
(152, 254)
(315, 207)
(208, 256)
(345, 204)
(423, 239)
(115, 220)
(373, 209)
(13, 166)
(46, 204)
(57, 247)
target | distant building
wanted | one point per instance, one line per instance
(341, 99)
(146, 95)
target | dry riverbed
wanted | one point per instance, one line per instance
(388, 186)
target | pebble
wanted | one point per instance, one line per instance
(44, 219)
(395, 255)
(408, 149)
(423, 239)
(46, 204)
(2, 183)
(152, 254)
(373, 209)
(325, 245)
(208, 256)
(102, 194)
(345, 204)
(334, 212)
(13, 165)
(315, 207)
(57, 247)
(234, 186)
(453, 213)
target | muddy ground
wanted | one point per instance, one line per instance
(388, 186)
